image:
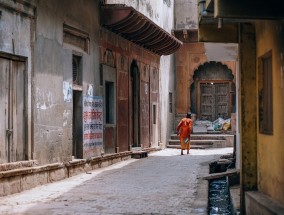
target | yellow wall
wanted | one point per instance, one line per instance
(270, 36)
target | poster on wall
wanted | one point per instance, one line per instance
(67, 91)
(93, 125)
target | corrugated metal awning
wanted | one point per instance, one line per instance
(134, 26)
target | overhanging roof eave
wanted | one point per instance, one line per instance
(118, 18)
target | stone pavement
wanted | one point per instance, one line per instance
(163, 183)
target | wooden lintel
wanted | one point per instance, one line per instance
(253, 9)
(19, 6)
(221, 174)
(211, 33)
(209, 6)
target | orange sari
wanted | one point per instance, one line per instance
(184, 129)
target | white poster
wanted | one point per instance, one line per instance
(67, 91)
(93, 124)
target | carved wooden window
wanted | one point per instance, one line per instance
(265, 86)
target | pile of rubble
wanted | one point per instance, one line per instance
(219, 124)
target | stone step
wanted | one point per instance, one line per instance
(139, 154)
(191, 146)
(205, 136)
(197, 142)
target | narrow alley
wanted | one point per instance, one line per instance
(163, 183)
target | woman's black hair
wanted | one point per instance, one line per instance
(188, 115)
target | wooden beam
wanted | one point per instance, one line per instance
(247, 96)
(221, 174)
(209, 5)
(252, 9)
(211, 33)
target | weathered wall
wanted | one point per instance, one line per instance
(50, 118)
(52, 66)
(152, 9)
(16, 30)
(188, 59)
(16, 39)
(123, 53)
(247, 111)
(162, 13)
(270, 147)
(167, 77)
(186, 14)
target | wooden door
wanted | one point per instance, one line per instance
(4, 79)
(154, 107)
(77, 125)
(154, 125)
(135, 84)
(109, 84)
(222, 99)
(214, 100)
(12, 111)
(207, 101)
(18, 115)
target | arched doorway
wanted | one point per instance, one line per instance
(135, 85)
(213, 91)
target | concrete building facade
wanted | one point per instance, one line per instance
(78, 93)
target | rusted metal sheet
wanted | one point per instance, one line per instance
(144, 114)
(134, 26)
(122, 124)
(122, 112)
(109, 139)
(122, 85)
(122, 138)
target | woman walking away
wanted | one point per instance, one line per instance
(184, 130)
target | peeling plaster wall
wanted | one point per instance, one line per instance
(167, 78)
(270, 147)
(152, 9)
(186, 14)
(52, 66)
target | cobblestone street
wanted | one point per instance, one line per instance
(163, 183)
